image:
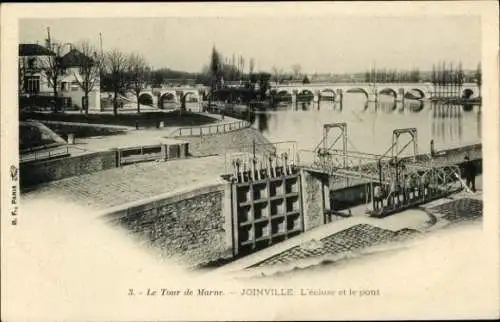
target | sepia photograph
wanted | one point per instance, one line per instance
(250, 161)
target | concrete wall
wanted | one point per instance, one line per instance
(193, 226)
(33, 173)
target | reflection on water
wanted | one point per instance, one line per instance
(370, 124)
(447, 122)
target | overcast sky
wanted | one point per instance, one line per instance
(318, 44)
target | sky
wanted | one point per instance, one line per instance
(322, 44)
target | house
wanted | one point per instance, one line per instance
(33, 81)
(71, 63)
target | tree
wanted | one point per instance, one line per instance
(263, 84)
(242, 64)
(138, 75)
(479, 77)
(296, 68)
(306, 80)
(215, 69)
(277, 72)
(116, 64)
(251, 66)
(90, 66)
(367, 77)
(53, 70)
(434, 75)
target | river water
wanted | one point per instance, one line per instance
(370, 124)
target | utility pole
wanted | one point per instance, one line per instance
(48, 44)
(100, 42)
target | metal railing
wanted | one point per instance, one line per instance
(140, 154)
(44, 154)
(211, 129)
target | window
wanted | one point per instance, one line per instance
(31, 63)
(32, 84)
(74, 86)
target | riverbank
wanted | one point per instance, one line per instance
(131, 119)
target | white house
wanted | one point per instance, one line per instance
(33, 80)
(71, 62)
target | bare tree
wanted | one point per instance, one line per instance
(53, 70)
(479, 77)
(242, 70)
(296, 68)
(277, 72)
(137, 76)
(251, 66)
(89, 70)
(116, 65)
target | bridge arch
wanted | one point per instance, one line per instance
(358, 90)
(328, 90)
(390, 91)
(283, 92)
(470, 93)
(194, 94)
(166, 97)
(305, 91)
(146, 99)
(409, 93)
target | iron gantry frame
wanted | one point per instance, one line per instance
(396, 182)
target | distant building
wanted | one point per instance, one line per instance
(33, 80)
(71, 62)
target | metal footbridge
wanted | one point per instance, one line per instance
(398, 179)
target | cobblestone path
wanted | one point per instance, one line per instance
(351, 239)
(464, 209)
(130, 183)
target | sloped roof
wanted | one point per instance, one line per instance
(74, 58)
(34, 50)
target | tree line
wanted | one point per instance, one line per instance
(220, 70)
(253, 85)
(386, 75)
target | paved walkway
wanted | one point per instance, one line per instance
(114, 187)
(133, 137)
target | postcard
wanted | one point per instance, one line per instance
(249, 161)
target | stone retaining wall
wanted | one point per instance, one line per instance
(193, 226)
(313, 199)
(217, 144)
(45, 170)
(33, 173)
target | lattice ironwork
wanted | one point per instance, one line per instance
(396, 181)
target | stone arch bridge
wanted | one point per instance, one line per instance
(399, 91)
(169, 97)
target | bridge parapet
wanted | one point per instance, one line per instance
(398, 90)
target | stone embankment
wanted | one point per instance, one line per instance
(219, 144)
(188, 227)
